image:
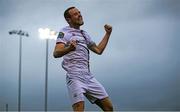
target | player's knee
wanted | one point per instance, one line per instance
(109, 108)
(78, 106)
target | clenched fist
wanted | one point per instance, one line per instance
(72, 45)
(108, 28)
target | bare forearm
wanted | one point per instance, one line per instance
(60, 49)
(103, 43)
(61, 52)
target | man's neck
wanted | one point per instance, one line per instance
(75, 27)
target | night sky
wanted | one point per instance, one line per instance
(139, 68)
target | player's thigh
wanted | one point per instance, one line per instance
(105, 104)
(79, 106)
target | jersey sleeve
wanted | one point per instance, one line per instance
(61, 38)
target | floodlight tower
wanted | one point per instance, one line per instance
(21, 34)
(47, 34)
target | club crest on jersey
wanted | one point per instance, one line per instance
(61, 35)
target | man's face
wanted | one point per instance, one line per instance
(76, 18)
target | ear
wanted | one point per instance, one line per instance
(68, 20)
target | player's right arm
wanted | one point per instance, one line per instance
(60, 49)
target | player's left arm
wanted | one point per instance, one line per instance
(98, 49)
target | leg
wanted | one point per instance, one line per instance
(76, 94)
(78, 107)
(105, 104)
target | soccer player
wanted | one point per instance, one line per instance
(73, 45)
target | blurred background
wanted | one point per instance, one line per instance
(139, 68)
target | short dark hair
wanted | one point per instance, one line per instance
(66, 13)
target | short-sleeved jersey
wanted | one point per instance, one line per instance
(77, 60)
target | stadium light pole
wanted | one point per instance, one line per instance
(46, 34)
(21, 34)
